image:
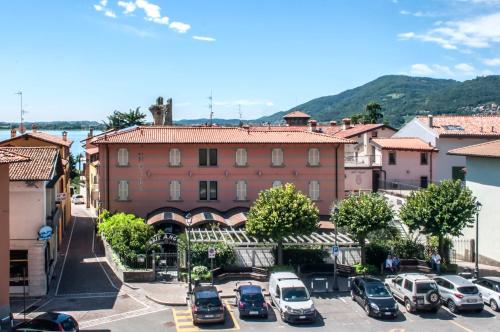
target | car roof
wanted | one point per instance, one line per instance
(250, 289)
(491, 278)
(416, 277)
(53, 316)
(284, 275)
(291, 283)
(369, 279)
(204, 289)
(457, 280)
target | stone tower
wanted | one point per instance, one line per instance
(162, 113)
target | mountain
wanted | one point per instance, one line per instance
(403, 97)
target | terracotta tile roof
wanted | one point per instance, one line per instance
(92, 151)
(464, 125)
(296, 114)
(215, 135)
(359, 129)
(403, 143)
(488, 149)
(43, 137)
(7, 157)
(40, 167)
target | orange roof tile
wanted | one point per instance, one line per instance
(7, 157)
(360, 129)
(403, 143)
(296, 114)
(464, 125)
(488, 149)
(92, 151)
(214, 135)
(40, 167)
(43, 137)
(327, 129)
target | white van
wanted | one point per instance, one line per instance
(291, 297)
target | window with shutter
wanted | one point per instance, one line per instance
(241, 190)
(122, 157)
(313, 157)
(175, 190)
(123, 190)
(276, 183)
(241, 157)
(175, 157)
(277, 157)
(314, 190)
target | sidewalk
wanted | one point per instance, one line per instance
(484, 270)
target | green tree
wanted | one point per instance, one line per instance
(360, 215)
(373, 113)
(440, 210)
(120, 120)
(280, 212)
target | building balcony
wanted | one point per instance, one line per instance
(353, 160)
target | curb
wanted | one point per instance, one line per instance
(130, 286)
(171, 304)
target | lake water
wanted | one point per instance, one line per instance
(75, 135)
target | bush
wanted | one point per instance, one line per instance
(376, 253)
(302, 256)
(126, 234)
(199, 253)
(406, 248)
(364, 268)
(200, 272)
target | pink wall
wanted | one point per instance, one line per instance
(408, 166)
(4, 239)
(149, 179)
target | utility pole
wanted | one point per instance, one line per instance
(211, 108)
(21, 124)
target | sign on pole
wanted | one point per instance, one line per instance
(211, 252)
(335, 250)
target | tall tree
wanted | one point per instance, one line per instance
(373, 113)
(440, 210)
(360, 215)
(280, 212)
(120, 120)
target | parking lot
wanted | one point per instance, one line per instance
(339, 313)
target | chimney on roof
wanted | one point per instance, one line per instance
(333, 123)
(247, 128)
(65, 135)
(313, 124)
(13, 133)
(34, 127)
(346, 123)
(430, 119)
(91, 132)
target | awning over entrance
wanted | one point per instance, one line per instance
(241, 238)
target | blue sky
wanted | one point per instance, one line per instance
(82, 59)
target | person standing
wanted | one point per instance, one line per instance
(396, 262)
(436, 262)
(388, 264)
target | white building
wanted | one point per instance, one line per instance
(448, 132)
(483, 178)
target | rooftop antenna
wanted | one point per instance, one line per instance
(239, 112)
(21, 125)
(211, 108)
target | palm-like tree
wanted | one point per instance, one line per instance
(120, 120)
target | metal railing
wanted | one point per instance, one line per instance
(353, 160)
(400, 187)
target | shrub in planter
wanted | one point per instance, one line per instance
(199, 253)
(200, 272)
(406, 248)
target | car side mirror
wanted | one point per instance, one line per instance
(235, 290)
(263, 289)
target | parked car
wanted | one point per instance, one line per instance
(490, 291)
(78, 199)
(373, 296)
(291, 297)
(459, 293)
(50, 321)
(250, 301)
(206, 305)
(415, 290)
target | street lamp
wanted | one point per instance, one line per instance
(476, 269)
(335, 211)
(188, 224)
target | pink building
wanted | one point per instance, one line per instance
(162, 172)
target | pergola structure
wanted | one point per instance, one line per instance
(239, 237)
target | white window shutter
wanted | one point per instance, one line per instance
(313, 157)
(314, 190)
(241, 190)
(175, 190)
(276, 183)
(123, 190)
(277, 157)
(123, 157)
(175, 157)
(241, 157)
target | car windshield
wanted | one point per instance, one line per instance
(295, 294)
(468, 290)
(252, 297)
(424, 287)
(377, 290)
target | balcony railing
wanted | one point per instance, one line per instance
(352, 160)
(401, 187)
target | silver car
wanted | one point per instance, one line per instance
(490, 289)
(459, 294)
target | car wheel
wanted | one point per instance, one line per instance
(452, 306)
(367, 309)
(408, 306)
(282, 314)
(494, 305)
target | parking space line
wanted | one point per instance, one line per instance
(461, 326)
(233, 318)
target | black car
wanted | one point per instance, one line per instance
(206, 305)
(250, 301)
(50, 321)
(373, 296)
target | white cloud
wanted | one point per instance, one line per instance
(98, 8)
(150, 9)
(466, 69)
(420, 69)
(160, 20)
(477, 32)
(128, 7)
(416, 14)
(180, 27)
(492, 62)
(204, 38)
(110, 13)
(103, 3)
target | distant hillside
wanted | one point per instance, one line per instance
(56, 125)
(402, 97)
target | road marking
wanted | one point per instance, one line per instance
(233, 318)
(461, 326)
(184, 320)
(125, 315)
(88, 295)
(397, 330)
(66, 255)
